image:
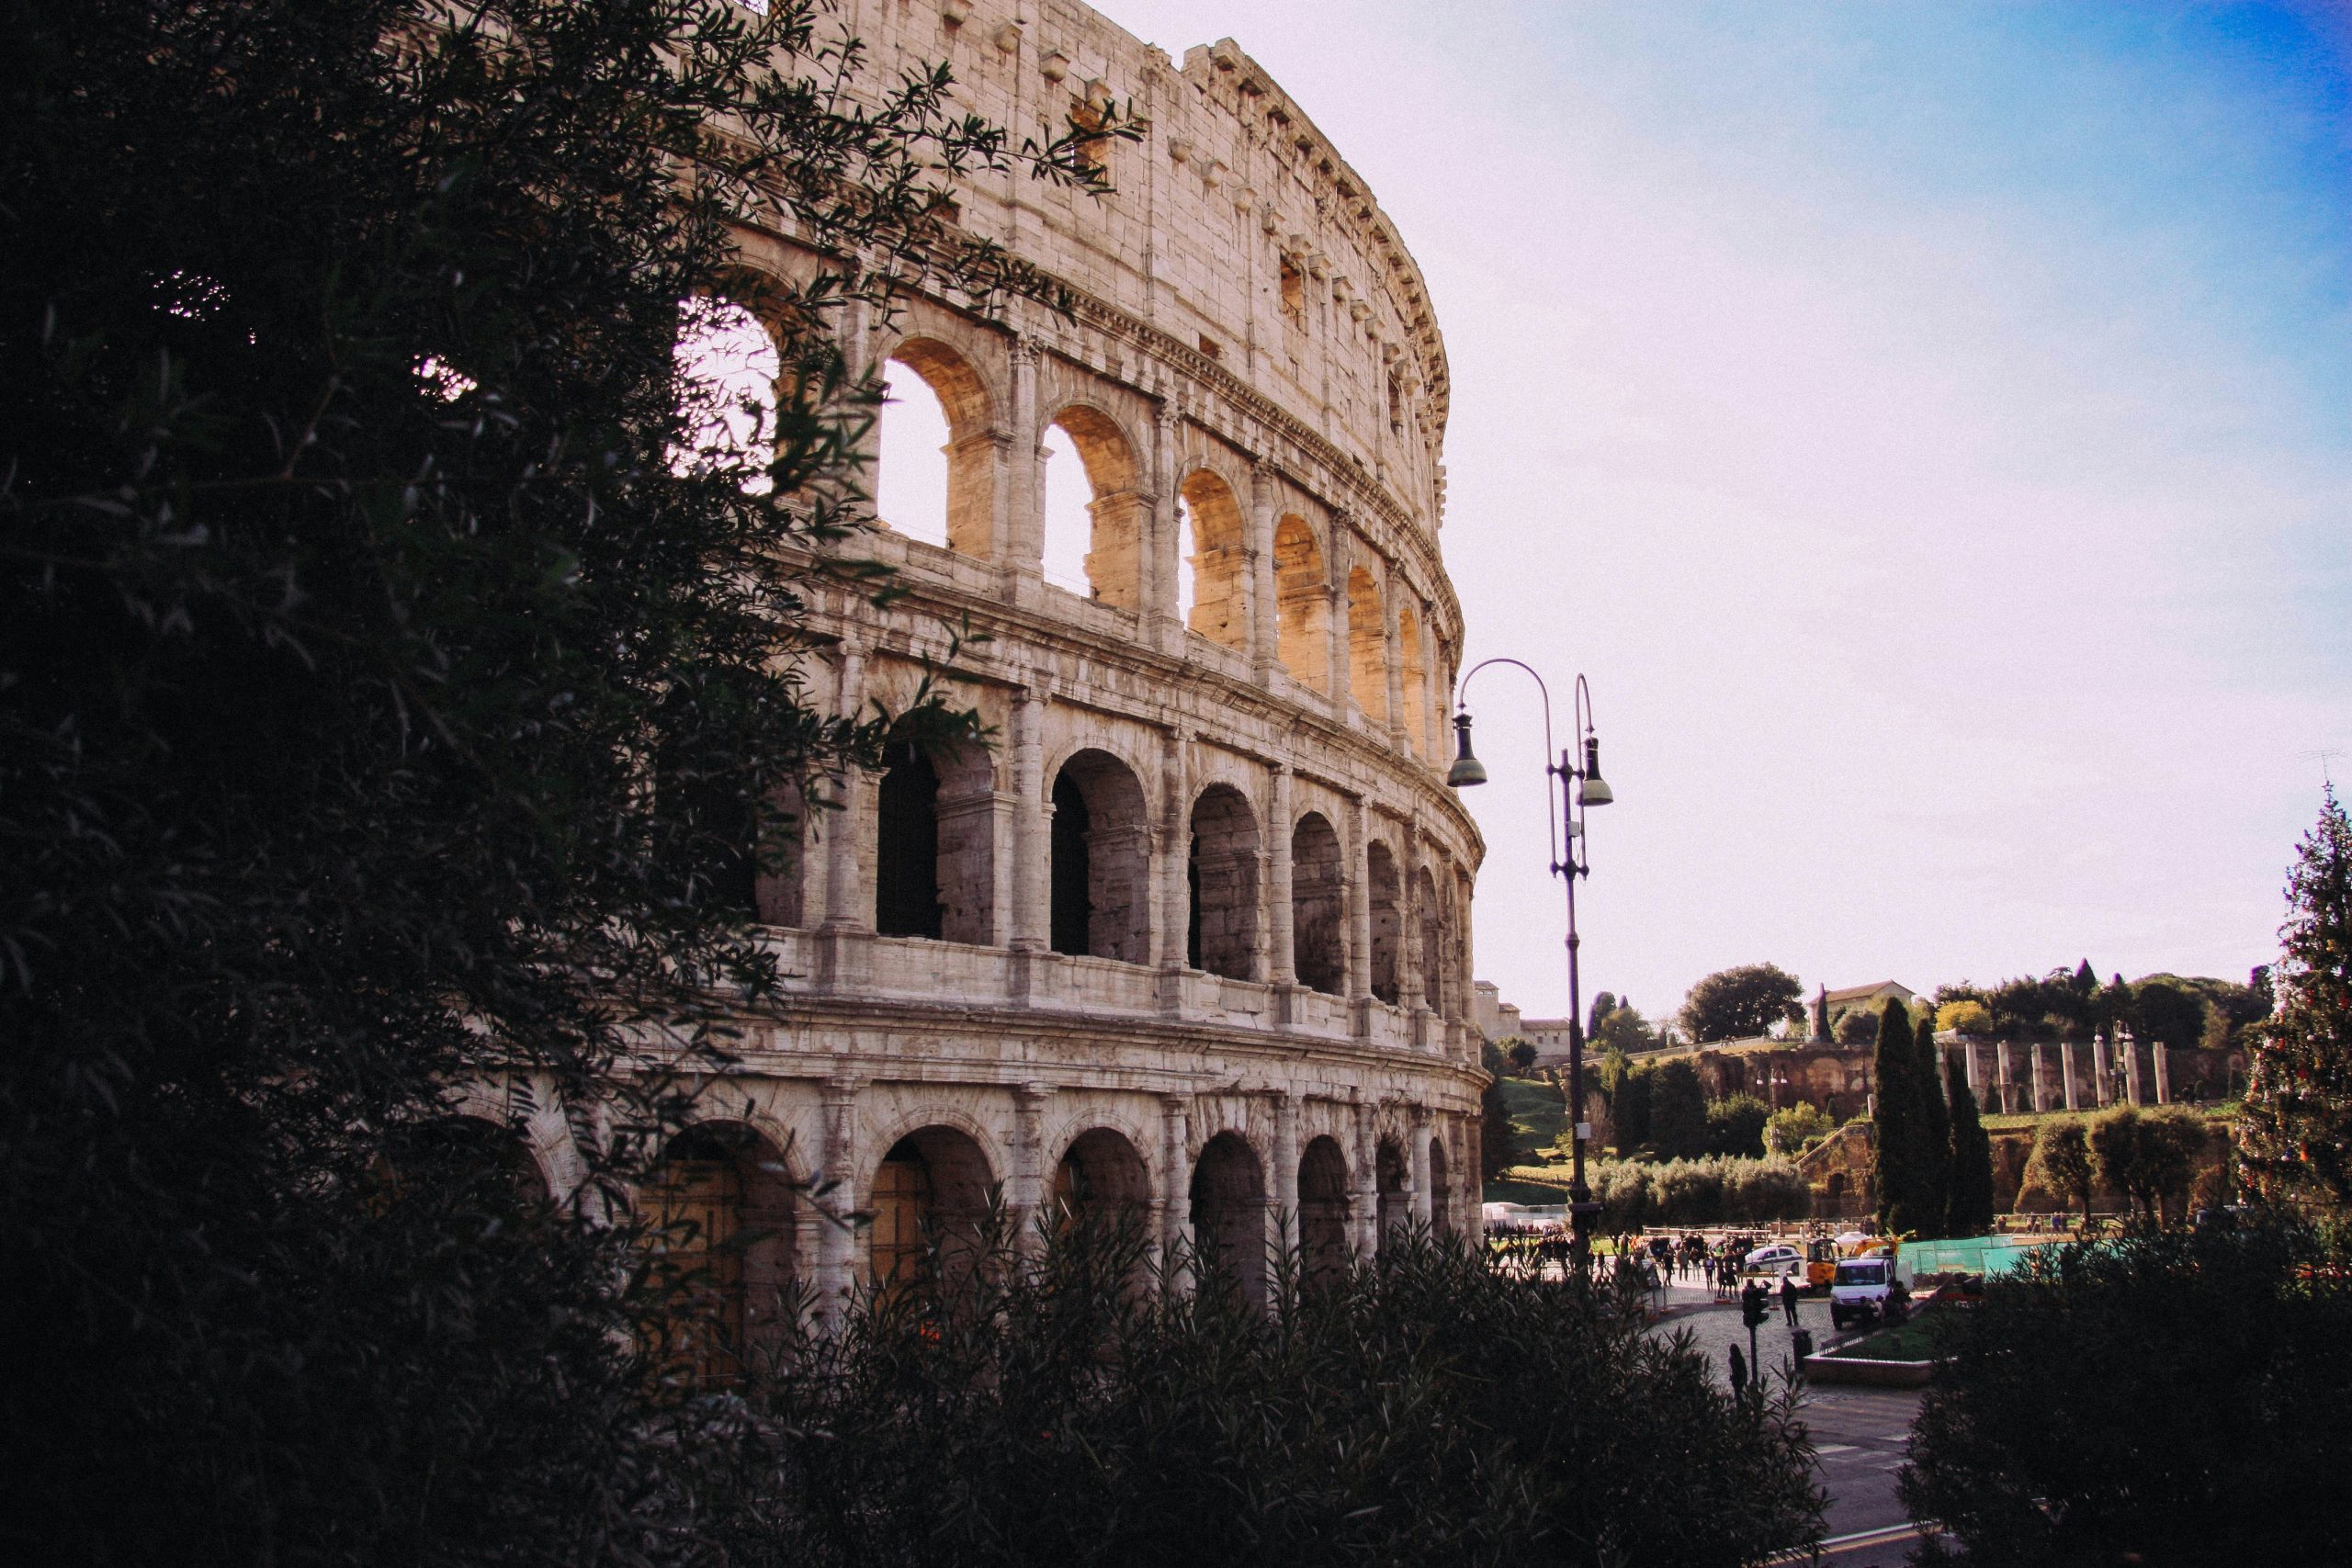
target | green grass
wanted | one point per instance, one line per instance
(1913, 1341)
(1509, 1189)
(2026, 1120)
(1539, 1114)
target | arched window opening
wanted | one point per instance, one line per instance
(1389, 1177)
(930, 1200)
(1224, 875)
(720, 1238)
(1432, 942)
(1101, 870)
(1367, 646)
(1440, 1189)
(728, 368)
(1302, 604)
(1323, 1212)
(468, 1161)
(935, 475)
(906, 870)
(1093, 510)
(1387, 921)
(1413, 684)
(1229, 1214)
(1100, 1182)
(1219, 607)
(778, 889)
(1318, 906)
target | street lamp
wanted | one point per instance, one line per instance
(1581, 786)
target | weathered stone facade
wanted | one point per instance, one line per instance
(1191, 937)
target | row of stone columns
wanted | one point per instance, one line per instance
(2137, 1086)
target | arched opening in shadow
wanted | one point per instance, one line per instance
(1322, 1211)
(934, 846)
(1218, 605)
(1367, 646)
(1100, 873)
(1432, 942)
(465, 1162)
(728, 369)
(1318, 906)
(1224, 875)
(932, 1189)
(1413, 684)
(935, 475)
(1230, 1215)
(1093, 510)
(720, 1209)
(1101, 1182)
(1302, 604)
(1440, 1189)
(1387, 919)
(1389, 1177)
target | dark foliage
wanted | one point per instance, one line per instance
(1743, 1002)
(1679, 1110)
(2172, 1399)
(2296, 1141)
(1934, 1126)
(1900, 1150)
(381, 699)
(1421, 1409)
(1968, 1201)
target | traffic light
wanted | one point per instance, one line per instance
(1752, 1307)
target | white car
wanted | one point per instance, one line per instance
(1777, 1257)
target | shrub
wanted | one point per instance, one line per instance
(1796, 1128)
(2170, 1398)
(1736, 1126)
(1419, 1409)
(1698, 1192)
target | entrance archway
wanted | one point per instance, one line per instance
(931, 1190)
(1322, 1211)
(1229, 1216)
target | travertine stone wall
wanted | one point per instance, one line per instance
(1270, 1008)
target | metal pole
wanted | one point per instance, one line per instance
(1579, 1195)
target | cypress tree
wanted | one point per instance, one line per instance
(1968, 1207)
(1896, 1159)
(1935, 1129)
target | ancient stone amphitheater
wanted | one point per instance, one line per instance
(1191, 937)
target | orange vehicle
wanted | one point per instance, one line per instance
(1820, 1263)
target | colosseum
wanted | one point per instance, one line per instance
(1190, 937)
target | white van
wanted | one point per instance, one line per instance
(1859, 1290)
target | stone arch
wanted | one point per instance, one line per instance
(1228, 1215)
(1367, 646)
(1115, 506)
(1319, 906)
(1392, 1179)
(1222, 871)
(969, 479)
(729, 371)
(931, 1189)
(1413, 681)
(1102, 1179)
(1385, 893)
(1101, 874)
(1302, 603)
(1220, 598)
(1433, 936)
(1322, 1210)
(935, 844)
(1440, 1187)
(719, 1206)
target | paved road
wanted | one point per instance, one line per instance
(1859, 1435)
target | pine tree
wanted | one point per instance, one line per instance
(1935, 1129)
(1969, 1206)
(1895, 1158)
(2295, 1139)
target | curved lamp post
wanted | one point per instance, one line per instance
(1581, 786)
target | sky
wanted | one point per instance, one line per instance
(1928, 427)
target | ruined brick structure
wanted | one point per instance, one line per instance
(1191, 937)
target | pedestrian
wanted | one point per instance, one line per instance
(1738, 1372)
(1789, 1298)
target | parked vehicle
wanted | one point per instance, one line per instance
(1871, 1289)
(1775, 1258)
(1820, 1264)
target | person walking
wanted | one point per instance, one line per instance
(1789, 1298)
(1739, 1373)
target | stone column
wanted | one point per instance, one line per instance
(1163, 618)
(1968, 1066)
(1282, 1223)
(1359, 914)
(1336, 559)
(2001, 1070)
(1022, 542)
(2127, 1046)
(2040, 1086)
(837, 1236)
(1424, 1202)
(1025, 1194)
(2067, 1071)
(2103, 1087)
(1364, 1187)
(1175, 1191)
(1409, 919)
(2160, 1055)
(1393, 642)
(1282, 956)
(841, 906)
(1265, 646)
(1033, 860)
